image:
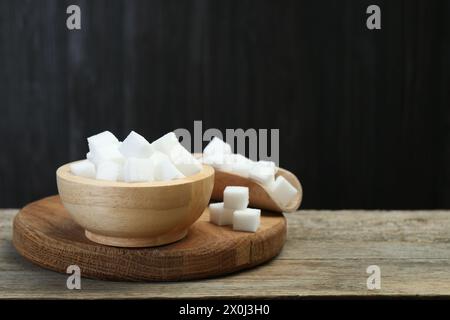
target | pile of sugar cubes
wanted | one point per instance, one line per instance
(135, 159)
(218, 154)
(233, 210)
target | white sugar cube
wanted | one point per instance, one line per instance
(282, 191)
(102, 139)
(267, 164)
(185, 162)
(108, 170)
(235, 197)
(166, 143)
(136, 146)
(217, 146)
(89, 156)
(262, 174)
(163, 168)
(242, 165)
(246, 220)
(83, 168)
(138, 170)
(220, 215)
(109, 152)
(242, 169)
(218, 161)
(121, 175)
(239, 158)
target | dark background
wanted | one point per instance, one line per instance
(364, 116)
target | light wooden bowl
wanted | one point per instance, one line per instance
(143, 214)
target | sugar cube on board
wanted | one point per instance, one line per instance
(136, 146)
(83, 168)
(109, 152)
(235, 197)
(220, 215)
(108, 170)
(163, 168)
(246, 220)
(138, 170)
(217, 146)
(102, 139)
(262, 174)
(166, 143)
(185, 162)
(282, 191)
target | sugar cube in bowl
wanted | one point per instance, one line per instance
(132, 194)
(135, 146)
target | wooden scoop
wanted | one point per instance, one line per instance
(260, 196)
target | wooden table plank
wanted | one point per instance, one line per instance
(326, 254)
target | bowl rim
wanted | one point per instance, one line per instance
(63, 172)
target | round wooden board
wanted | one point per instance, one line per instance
(44, 233)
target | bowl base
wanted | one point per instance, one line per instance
(135, 242)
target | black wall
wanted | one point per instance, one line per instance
(364, 116)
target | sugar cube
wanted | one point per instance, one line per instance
(242, 169)
(108, 170)
(109, 152)
(246, 220)
(102, 139)
(121, 175)
(163, 168)
(166, 142)
(220, 215)
(282, 191)
(136, 159)
(185, 162)
(138, 170)
(89, 156)
(218, 161)
(241, 165)
(262, 174)
(235, 197)
(136, 146)
(217, 146)
(83, 168)
(239, 158)
(267, 164)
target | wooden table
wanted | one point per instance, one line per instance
(326, 255)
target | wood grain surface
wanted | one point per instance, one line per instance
(326, 255)
(44, 233)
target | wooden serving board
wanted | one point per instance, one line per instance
(44, 233)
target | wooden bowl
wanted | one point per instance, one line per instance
(143, 214)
